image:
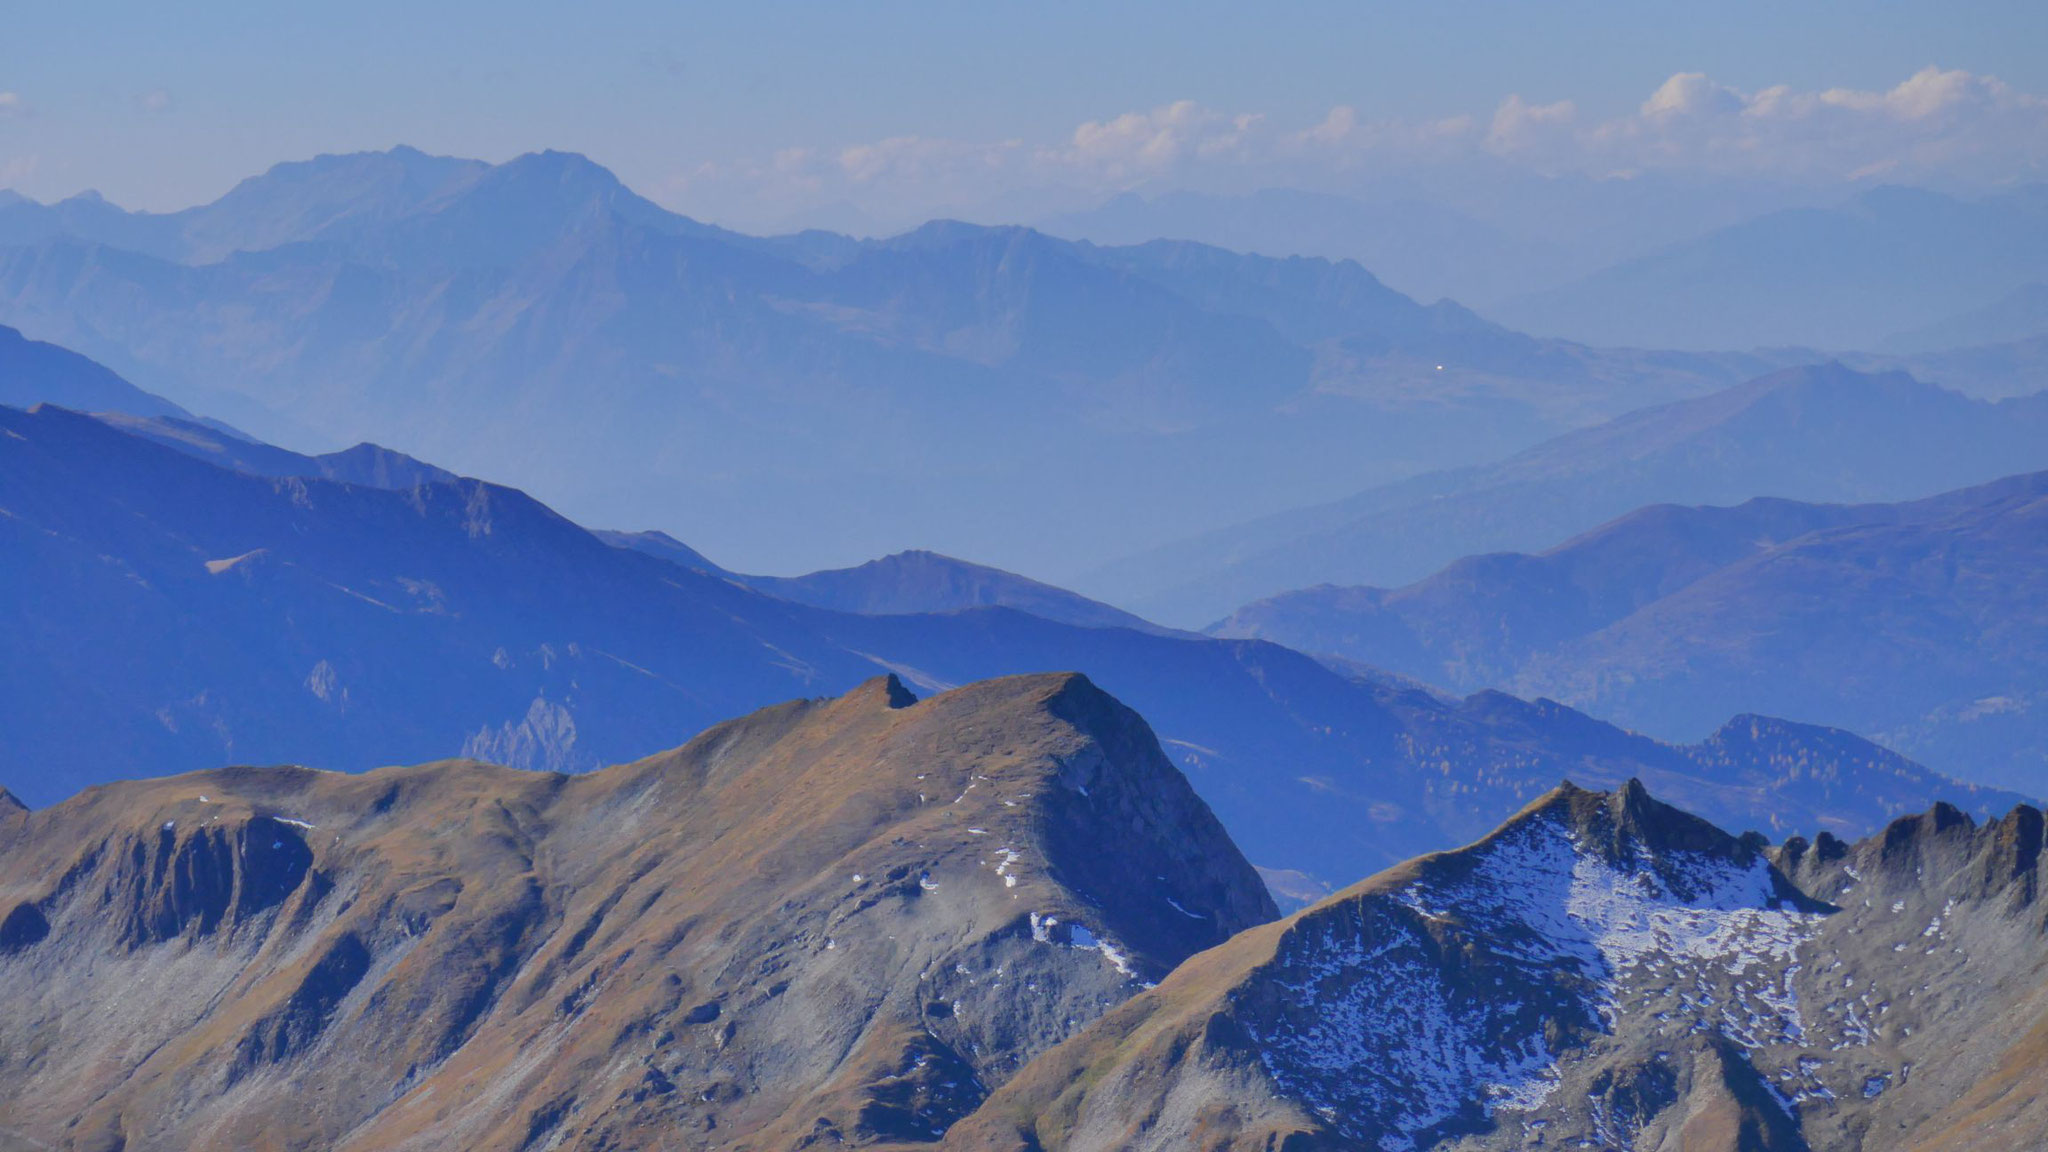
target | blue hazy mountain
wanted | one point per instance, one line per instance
(2023, 315)
(793, 401)
(1852, 276)
(905, 582)
(33, 372)
(1424, 248)
(1820, 433)
(165, 613)
(915, 581)
(369, 465)
(1922, 622)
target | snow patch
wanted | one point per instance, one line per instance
(1381, 1028)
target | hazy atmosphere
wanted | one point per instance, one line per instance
(1024, 578)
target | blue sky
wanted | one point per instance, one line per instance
(720, 109)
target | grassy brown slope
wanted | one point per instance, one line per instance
(801, 926)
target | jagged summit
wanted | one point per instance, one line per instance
(1429, 1003)
(1539, 989)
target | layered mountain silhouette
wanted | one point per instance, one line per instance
(992, 392)
(1890, 260)
(1918, 621)
(831, 921)
(1603, 971)
(1824, 433)
(167, 614)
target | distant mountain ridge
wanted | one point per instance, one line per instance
(1427, 250)
(192, 615)
(1919, 621)
(1851, 276)
(1822, 433)
(538, 322)
(367, 464)
(2023, 315)
(907, 582)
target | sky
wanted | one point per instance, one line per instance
(768, 114)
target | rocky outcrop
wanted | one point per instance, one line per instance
(1603, 971)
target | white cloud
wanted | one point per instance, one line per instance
(1950, 125)
(154, 103)
(1523, 127)
(11, 104)
(1138, 144)
(1690, 94)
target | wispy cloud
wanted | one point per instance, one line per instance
(11, 104)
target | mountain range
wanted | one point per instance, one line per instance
(1418, 245)
(197, 615)
(995, 919)
(1919, 622)
(1819, 433)
(987, 391)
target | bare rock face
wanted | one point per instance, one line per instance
(830, 922)
(1604, 971)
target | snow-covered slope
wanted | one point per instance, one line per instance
(1602, 972)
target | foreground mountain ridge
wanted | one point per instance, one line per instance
(830, 920)
(1603, 971)
(780, 936)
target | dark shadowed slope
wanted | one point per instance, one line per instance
(1821, 433)
(32, 372)
(209, 615)
(1602, 971)
(1921, 622)
(830, 921)
(163, 614)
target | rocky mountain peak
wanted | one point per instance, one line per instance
(838, 921)
(1432, 1002)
